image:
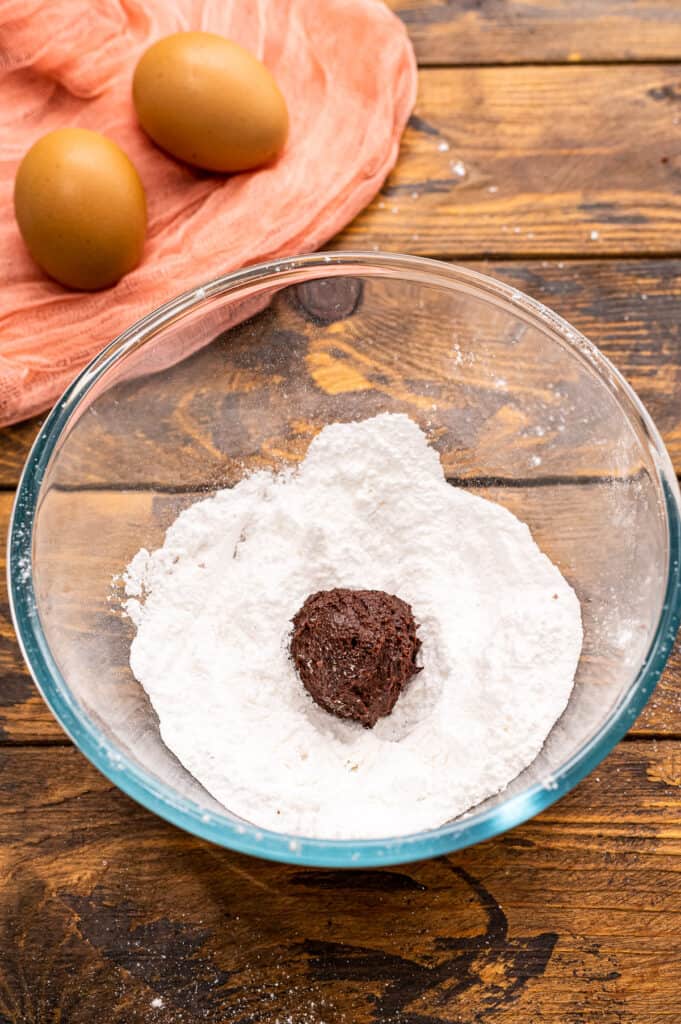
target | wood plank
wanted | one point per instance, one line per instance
(24, 717)
(541, 31)
(15, 444)
(534, 180)
(629, 308)
(601, 307)
(534, 161)
(110, 914)
(96, 533)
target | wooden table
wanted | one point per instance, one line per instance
(561, 174)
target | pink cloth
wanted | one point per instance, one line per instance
(348, 74)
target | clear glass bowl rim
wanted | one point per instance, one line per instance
(244, 837)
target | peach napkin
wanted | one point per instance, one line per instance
(347, 70)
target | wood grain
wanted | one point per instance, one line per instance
(109, 914)
(538, 161)
(15, 444)
(95, 533)
(541, 31)
(629, 308)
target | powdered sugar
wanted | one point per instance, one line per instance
(368, 508)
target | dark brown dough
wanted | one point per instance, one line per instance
(355, 651)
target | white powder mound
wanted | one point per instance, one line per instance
(368, 508)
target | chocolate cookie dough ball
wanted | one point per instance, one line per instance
(355, 651)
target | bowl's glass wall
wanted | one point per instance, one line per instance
(518, 412)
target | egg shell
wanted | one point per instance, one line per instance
(81, 208)
(209, 102)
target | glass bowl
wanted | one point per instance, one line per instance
(241, 374)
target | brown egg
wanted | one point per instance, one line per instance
(209, 102)
(81, 208)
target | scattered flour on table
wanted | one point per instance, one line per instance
(368, 508)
